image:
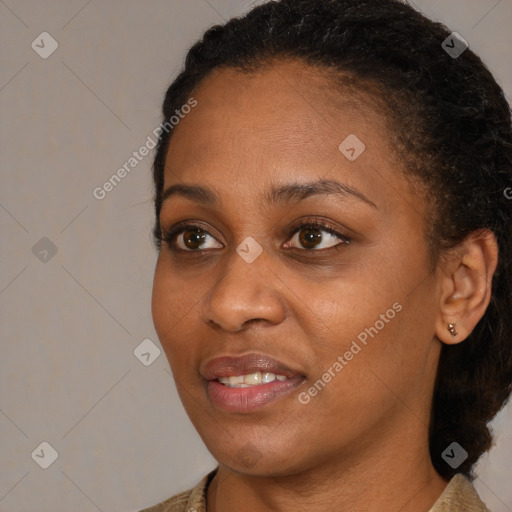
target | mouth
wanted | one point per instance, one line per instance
(247, 383)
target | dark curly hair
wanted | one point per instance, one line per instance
(451, 127)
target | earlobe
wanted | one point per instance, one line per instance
(452, 330)
(466, 286)
(450, 333)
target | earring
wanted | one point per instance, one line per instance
(451, 328)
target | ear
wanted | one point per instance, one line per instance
(466, 283)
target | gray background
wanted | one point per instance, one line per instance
(70, 324)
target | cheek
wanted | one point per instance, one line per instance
(170, 309)
(381, 355)
(175, 306)
(161, 299)
(379, 321)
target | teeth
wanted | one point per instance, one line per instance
(268, 377)
(251, 379)
(236, 380)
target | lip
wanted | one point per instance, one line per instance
(251, 398)
(231, 366)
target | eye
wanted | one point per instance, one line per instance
(309, 236)
(190, 238)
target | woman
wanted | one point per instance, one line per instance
(333, 288)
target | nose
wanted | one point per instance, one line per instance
(244, 293)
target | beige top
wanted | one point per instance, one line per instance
(458, 496)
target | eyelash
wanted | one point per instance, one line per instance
(169, 237)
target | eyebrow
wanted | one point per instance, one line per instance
(277, 195)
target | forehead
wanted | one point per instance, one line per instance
(282, 122)
(285, 107)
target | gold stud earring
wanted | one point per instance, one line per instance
(451, 328)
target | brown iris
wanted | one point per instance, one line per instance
(193, 238)
(310, 237)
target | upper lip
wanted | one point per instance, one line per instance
(230, 366)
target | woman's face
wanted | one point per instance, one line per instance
(342, 310)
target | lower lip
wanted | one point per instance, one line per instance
(252, 398)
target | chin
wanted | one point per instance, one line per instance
(257, 458)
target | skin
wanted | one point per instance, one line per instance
(360, 444)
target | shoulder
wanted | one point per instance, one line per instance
(177, 503)
(193, 500)
(459, 496)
